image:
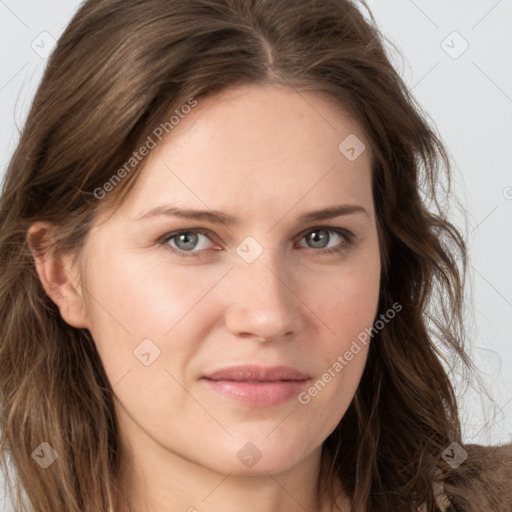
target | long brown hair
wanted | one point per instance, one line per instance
(118, 71)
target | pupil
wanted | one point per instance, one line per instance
(317, 238)
(184, 237)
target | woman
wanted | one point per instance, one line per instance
(221, 285)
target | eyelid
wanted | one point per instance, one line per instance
(172, 234)
(343, 231)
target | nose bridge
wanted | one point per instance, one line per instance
(261, 298)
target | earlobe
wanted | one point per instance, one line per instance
(59, 275)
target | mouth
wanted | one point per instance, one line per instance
(257, 386)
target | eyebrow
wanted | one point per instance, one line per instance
(216, 217)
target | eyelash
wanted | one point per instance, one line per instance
(346, 235)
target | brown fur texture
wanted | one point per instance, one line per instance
(483, 482)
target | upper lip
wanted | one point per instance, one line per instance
(258, 374)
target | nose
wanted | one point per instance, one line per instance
(262, 303)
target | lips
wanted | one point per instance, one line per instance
(257, 386)
(258, 374)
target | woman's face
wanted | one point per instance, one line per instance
(177, 316)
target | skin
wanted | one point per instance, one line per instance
(266, 155)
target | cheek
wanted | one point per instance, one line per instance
(348, 302)
(134, 298)
(348, 309)
(142, 296)
(326, 400)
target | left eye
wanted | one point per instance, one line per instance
(184, 242)
(315, 238)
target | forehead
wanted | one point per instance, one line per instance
(250, 147)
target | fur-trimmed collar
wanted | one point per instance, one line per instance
(482, 483)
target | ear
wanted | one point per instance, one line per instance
(59, 275)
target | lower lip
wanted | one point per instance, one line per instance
(262, 394)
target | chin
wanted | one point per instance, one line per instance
(256, 455)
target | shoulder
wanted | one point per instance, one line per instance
(483, 482)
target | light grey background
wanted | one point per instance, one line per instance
(468, 95)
